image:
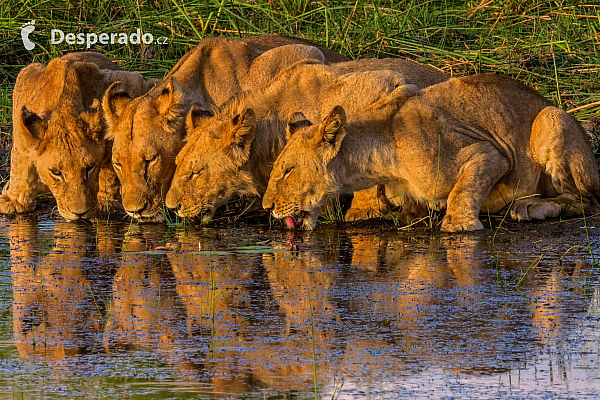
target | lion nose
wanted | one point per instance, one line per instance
(138, 208)
(174, 207)
(80, 215)
(172, 202)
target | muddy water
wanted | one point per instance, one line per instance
(96, 310)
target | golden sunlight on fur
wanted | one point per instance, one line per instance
(229, 152)
(479, 143)
(58, 137)
(148, 131)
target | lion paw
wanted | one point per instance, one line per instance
(454, 224)
(110, 206)
(9, 207)
(360, 214)
(528, 209)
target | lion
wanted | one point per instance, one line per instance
(148, 131)
(146, 311)
(231, 153)
(58, 135)
(478, 143)
(54, 312)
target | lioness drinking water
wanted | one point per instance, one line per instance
(478, 143)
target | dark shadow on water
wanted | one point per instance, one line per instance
(155, 311)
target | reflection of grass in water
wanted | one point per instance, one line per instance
(314, 350)
(213, 294)
(6, 293)
(46, 246)
(212, 298)
(43, 316)
(587, 231)
(588, 246)
(103, 321)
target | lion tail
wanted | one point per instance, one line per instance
(559, 144)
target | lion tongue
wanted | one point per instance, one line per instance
(290, 222)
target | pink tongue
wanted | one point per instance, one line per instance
(290, 222)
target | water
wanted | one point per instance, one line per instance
(113, 310)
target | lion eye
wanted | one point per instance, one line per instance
(56, 173)
(89, 169)
(117, 166)
(195, 173)
(287, 172)
(152, 159)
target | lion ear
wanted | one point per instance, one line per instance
(93, 119)
(296, 122)
(195, 116)
(35, 126)
(397, 97)
(114, 102)
(169, 103)
(242, 134)
(331, 132)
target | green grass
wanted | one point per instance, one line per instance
(552, 46)
(549, 45)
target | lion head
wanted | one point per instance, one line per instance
(147, 133)
(68, 148)
(212, 164)
(301, 178)
(308, 171)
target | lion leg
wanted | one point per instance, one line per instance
(480, 173)
(559, 144)
(109, 196)
(367, 204)
(19, 194)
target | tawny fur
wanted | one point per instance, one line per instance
(148, 131)
(232, 152)
(479, 143)
(58, 127)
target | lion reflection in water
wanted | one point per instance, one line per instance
(58, 298)
(242, 319)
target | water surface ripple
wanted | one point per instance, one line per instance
(118, 310)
